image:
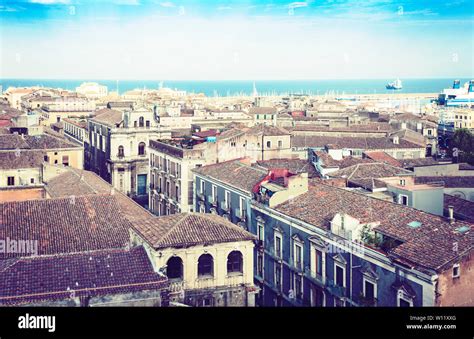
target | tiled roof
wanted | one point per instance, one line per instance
(372, 127)
(262, 110)
(429, 246)
(410, 163)
(380, 156)
(188, 229)
(37, 142)
(411, 136)
(370, 170)
(107, 116)
(76, 182)
(45, 141)
(350, 142)
(21, 159)
(234, 173)
(449, 182)
(86, 274)
(464, 209)
(65, 225)
(328, 161)
(263, 129)
(293, 165)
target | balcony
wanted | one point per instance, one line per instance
(234, 279)
(336, 290)
(367, 301)
(315, 277)
(259, 244)
(276, 255)
(176, 286)
(201, 196)
(296, 266)
(205, 282)
(212, 200)
(225, 206)
(241, 214)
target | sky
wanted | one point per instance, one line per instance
(236, 40)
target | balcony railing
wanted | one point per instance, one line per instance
(335, 289)
(277, 255)
(295, 265)
(205, 282)
(225, 206)
(176, 285)
(315, 277)
(212, 200)
(241, 214)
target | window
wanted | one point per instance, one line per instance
(429, 132)
(260, 264)
(205, 265)
(11, 181)
(298, 285)
(242, 208)
(201, 186)
(456, 271)
(148, 123)
(32, 180)
(234, 262)
(278, 245)
(121, 152)
(369, 289)
(403, 199)
(404, 300)
(65, 160)
(141, 148)
(402, 182)
(46, 158)
(214, 193)
(56, 161)
(174, 268)
(141, 122)
(280, 144)
(269, 144)
(278, 275)
(207, 302)
(319, 263)
(227, 199)
(298, 255)
(339, 275)
(260, 231)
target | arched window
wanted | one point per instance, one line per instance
(174, 268)
(234, 262)
(141, 122)
(121, 152)
(205, 265)
(141, 148)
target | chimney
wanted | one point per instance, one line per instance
(451, 214)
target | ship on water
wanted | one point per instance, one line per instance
(397, 84)
(457, 95)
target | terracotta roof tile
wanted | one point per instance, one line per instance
(187, 229)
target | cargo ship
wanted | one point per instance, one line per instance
(457, 95)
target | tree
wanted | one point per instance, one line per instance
(463, 140)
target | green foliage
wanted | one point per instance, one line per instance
(369, 237)
(464, 140)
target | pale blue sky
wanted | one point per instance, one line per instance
(146, 39)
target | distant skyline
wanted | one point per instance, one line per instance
(236, 40)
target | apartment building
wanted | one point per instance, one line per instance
(171, 182)
(118, 143)
(319, 245)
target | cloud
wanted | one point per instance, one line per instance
(7, 9)
(167, 4)
(298, 4)
(127, 2)
(51, 2)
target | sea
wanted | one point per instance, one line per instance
(245, 87)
